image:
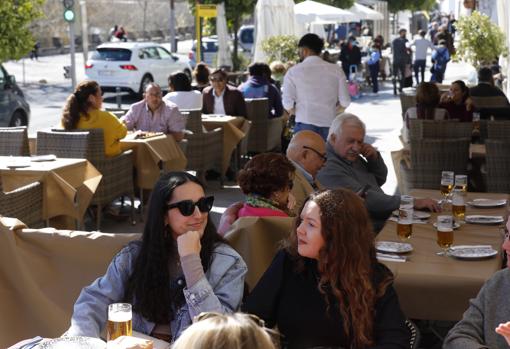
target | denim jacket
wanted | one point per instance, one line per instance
(220, 290)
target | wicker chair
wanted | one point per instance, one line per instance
(89, 144)
(204, 151)
(407, 101)
(498, 166)
(193, 120)
(431, 156)
(14, 141)
(265, 133)
(498, 130)
(24, 203)
(489, 102)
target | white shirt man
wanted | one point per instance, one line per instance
(314, 89)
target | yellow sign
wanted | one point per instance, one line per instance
(206, 10)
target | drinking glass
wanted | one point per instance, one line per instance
(119, 321)
(405, 217)
(461, 182)
(458, 205)
(476, 121)
(444, 233)
(447, 181)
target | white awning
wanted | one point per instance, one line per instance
(310, 11)
(365, 13)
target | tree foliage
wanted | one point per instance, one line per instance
(413, 5)
(281, 48)
(344, 4)
(15, 17)
(481, 41)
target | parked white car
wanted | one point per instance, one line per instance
(132, 65)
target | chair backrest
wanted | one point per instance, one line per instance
(82, 144)
(193, 120)
(407, 101)
(498, 129)
(498, 165)
(257, 109)
(439, 129)
(204, 151)
(431, 156)
(257, 240)
(489, 102)
(14, 141)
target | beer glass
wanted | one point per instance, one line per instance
(444, 233)
(461, 182)
(476, 121)
(405, 217)
(458, 205)
(447, 181)
(119, 321)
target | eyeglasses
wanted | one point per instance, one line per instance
(187, 207)
(322, 156)
(216, 79)
(211, 314)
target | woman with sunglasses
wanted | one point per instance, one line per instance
(180, 268)
(325, 288)
(83, 111)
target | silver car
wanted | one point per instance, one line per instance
(14, 109)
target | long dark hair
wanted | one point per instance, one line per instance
(464, 89)
(346, 262)
(78, 103)
(427, 100)
(149, 287)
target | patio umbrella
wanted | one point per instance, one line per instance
(272, 18)
(311, 11)
(224, 57)
(365, 13)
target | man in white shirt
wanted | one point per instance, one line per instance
(420, 55)
(314, 90)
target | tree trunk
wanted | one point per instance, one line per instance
(235, 59)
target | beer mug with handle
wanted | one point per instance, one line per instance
(119, 321)
(405, 217)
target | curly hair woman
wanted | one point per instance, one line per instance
(266, 180)
(83, 111)
(325, 288)
(180, 267)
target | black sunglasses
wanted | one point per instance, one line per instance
(322, 156)
(187, 207)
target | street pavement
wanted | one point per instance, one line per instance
(46, 91)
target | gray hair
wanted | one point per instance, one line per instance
(341, 120)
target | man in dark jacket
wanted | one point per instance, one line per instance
(349, 55)
(401, 56)
(485, 87)
(221, 98)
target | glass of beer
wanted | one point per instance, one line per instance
(476, 121)
(447, 181)
(405, 217)
(119, 321)
(461, 182)
(458, 205)
(444, 233)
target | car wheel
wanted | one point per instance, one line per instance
(18, 119)
(188, 74)
(147, 79)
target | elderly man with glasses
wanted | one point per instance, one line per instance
(220, 98)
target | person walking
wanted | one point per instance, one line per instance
(373, 66)
(420, 55)
(440, 58)
(401, 57)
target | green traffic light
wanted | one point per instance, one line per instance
(69, 15)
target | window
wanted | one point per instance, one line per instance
(112, 54)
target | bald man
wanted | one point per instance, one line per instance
(307, 151)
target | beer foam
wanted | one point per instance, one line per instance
(444, 229)
(119, 316)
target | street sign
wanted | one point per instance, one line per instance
(206, 10)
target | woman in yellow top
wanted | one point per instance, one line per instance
(83, 111)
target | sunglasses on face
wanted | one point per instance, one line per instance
(187, 207)
(216, 79)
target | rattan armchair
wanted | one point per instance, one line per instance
(265, 134)
(498, 130)
(498, 165)
(439, 129)
(431, 156)
(14, 141)
(24, 203)
(407, 101)
(204, 151)
(117, 171)
(193, 120)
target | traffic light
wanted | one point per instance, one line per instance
(68, 10)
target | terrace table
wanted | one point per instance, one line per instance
(433, 287)
(68, 184)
